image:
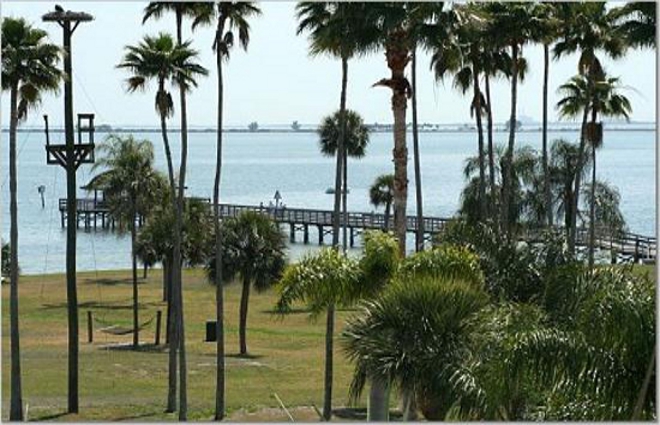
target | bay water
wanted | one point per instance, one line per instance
(256, 165)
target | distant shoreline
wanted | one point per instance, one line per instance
(284, 130)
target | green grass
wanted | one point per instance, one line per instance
(121, 384)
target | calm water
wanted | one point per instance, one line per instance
(256, 165)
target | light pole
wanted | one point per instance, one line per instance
(70, 156)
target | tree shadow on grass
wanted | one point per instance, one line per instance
(142, 348)
(48, 417)
(105, 305)
(244, 356)
(134, 418)
(111, 282)
(360, 414)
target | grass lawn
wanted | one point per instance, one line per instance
(121, 384)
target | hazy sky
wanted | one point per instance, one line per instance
(276, 82)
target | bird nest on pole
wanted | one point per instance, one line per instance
(61, 16)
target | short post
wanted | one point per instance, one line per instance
(90, 327)
(320, 228)
(159, 315)
(306, 234)
(637, 258)
(292, 234)
(352, 238)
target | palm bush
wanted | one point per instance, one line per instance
(253, 248)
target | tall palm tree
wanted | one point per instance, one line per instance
(546, 32)
(181, 9)
(381, 193)
(28, 70)
(461, 55)
(254, 249)
(514, 22)
(336, 29)
(423, 20)
(589, 29)
(160, 59)
(356, 138)
(129, 183)
(607, 102)
(231, 21)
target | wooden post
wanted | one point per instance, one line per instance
(306, 234)
(90, 327)
(636, 250)
(159, 315)
(320, 234)
(352, 237)
(292, 232)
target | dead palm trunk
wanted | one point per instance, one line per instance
(419, 239)
(508, 163)
(546, 173)
(480, 139)
(136, 325)
(219, 290)
(491, 150)
(16, 403)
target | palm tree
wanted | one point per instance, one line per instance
(129, 183)
(158, 58)
(391, 22)
(336, 29)
(637, 22)
(254, 249)
(181, 9)
(381, 193)
(461, 54)
(423, 19)
(589, 29)
(514, 22)
(356, 139)
(28, 69)
(383, 343)
(606, 102)
(328, 279)
(231, 21)
(545, 32)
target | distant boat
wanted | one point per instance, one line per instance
(331, 190)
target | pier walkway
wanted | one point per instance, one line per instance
(628, 246)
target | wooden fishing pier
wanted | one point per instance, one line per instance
(93, 213)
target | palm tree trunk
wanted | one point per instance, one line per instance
(178, 283)
(219, 290)
(491, 150)
(242, 327)
(419, 240)
(592, 208)
(171, 271)
(344, 197)
(400, 152)
(578, 181)
(388, 207)
(641, 396)
(508, 163)
(379, 395)
(165, 280)
(546, 173)
(329, 330)
(480, 139)
(16, 404)
(136, 324)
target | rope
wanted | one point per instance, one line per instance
(26, 136)
(50, 224)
